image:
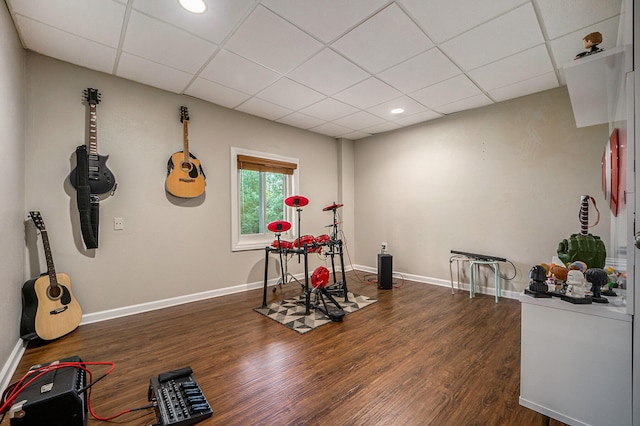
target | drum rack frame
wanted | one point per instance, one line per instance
(305, 253)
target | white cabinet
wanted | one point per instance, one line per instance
(576, 362)
(596, 85)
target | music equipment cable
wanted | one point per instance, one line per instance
(10, 394)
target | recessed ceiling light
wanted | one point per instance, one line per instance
(195, 6)
(397, 111)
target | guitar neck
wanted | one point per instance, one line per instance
(185, 141)
(51, 270)
(93, 131)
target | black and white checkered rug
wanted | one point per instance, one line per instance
(291, 312)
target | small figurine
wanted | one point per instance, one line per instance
(537, 276)
(575, 284)
(559, 275)
(598, 278)
(591, 42)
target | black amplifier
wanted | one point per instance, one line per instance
(53, 398)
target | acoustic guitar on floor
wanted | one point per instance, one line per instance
(49, 308)
(185, 178)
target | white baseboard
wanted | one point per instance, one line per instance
(10, 366)
(165, 303)
(508, 294)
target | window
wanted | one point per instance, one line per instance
(260, 183)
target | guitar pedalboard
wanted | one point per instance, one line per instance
(178, 398)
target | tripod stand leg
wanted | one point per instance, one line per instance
(307, 293)
(344, 275)
(334, 314)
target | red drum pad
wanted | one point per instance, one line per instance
(279, 226)
(282, 244)
(320, 277)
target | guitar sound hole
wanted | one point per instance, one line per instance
(186, 166)
(54, 292)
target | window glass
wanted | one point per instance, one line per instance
(260, 183)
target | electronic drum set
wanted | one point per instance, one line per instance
(325, 244)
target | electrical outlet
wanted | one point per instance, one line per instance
(118, 223)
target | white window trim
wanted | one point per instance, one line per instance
(253, 242)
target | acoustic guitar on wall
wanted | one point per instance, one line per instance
(101, 179)
(49, 308)
(185, 178)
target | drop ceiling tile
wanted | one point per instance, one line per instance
(381, 128)
(488, 42)
(409, 105)
(515, 68)
(216, 93)
(444, 19)
(213, 25)
(418, 118)
(464, 104)
(387, 38)
(325, 19)
(289, 94)
(354, 136)
(238, 73)
(271, 41)
(154, 40)
(328, 73)
(329, 109)
(153, 74)
(263, 109)
(58, 44)
(420, 71)
(359, 120)
(331, 129)
(303, 121)
(446, 92)
(565, 49)
(526, 87)
(566, 16)
(368, 93)
(96, 20)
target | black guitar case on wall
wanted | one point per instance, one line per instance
(88, 204)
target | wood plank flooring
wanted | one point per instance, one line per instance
(419, 356)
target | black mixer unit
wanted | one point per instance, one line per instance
(179, 399)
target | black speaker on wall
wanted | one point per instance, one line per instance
(385, 271)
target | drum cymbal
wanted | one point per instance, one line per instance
(279, 226)
(296, 201)
(332, 207)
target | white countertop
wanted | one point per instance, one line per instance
(615, 309)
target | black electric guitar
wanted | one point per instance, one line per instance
(185, 178)
(49, 309)
(101, 180)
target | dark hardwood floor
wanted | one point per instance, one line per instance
(420, 356)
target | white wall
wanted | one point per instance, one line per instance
(169, 247)
(503, 180)
(346, 196)
(12, 214)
